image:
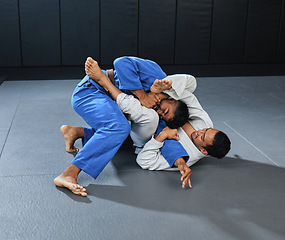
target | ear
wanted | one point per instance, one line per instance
(204, 151)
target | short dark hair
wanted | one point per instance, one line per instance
(220, 147)
(181, 116)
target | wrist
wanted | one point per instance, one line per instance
(179, 161)
(139, 93)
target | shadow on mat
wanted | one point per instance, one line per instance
(234, 194)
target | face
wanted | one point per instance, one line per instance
(203, 137)
(166, 109)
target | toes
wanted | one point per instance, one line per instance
(72, 149)
(79, 190)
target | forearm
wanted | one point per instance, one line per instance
(141, 93)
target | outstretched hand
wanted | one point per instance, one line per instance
(185, 172)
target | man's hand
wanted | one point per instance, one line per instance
(185, 172)
(148, 100)
(167, 133)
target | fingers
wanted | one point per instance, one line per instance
(189, 183)
(157, 99)
(185, 178)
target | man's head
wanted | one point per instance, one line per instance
(173, 112)
(211, 142)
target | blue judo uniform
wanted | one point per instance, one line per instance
(108, 126)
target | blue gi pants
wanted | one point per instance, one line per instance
(109, 128)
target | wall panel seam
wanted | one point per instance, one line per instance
(20, 33)
(138, 29)
(175, 30)
(245, 34)
(100, 33)
(60, 32)
(280, 31)
(211, 33)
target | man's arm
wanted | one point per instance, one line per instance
(148, 100)
(151, 158)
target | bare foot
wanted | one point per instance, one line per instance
(70, 183)
(71, 134)
(159, 86)
(93, 70)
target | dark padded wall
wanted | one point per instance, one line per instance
(119, 27)
(193, 32)
(157, 30)
(281, 42)
(80, 21)
(10, 53)
(263, 28)
(40, 32)
(228, 31)
(171, 32)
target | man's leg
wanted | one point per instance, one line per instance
(144, 120)
(110, 130)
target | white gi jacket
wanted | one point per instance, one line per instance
(182, 88)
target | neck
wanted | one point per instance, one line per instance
(188, 129)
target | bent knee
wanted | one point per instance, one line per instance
(120, 61)
(123, 128)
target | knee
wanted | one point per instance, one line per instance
(120, 61)
(122, 128)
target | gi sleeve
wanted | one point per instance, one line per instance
(139, 114)
(171, 149)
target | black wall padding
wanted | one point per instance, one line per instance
(171, 32)
(193, 32)
(80, 21)
(40, 32)
(10, 54)
(263, 28)
(281, 43)
(157, 30)
(228, 31)
(119, 28)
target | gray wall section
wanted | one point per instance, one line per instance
(80, 33)
(40, 32)
(193, 32)
(10, 54)
(172, 32)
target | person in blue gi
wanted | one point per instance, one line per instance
(109, 126)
